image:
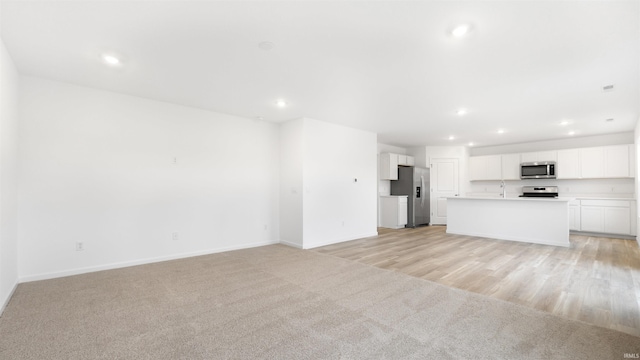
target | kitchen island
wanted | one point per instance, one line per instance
(532, 220)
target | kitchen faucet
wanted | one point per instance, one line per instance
(503, 186)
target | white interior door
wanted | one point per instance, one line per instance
(444, 184)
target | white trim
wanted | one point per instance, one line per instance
(6, 301)
(288, 243)
(335, 241)
(53, 275)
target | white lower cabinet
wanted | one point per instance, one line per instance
(393, 211)
(574, 215)
(606, 216)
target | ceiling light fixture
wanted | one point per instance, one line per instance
(111, 60)
(451, 137)
(564, 123)
(461, 112)
(281, 103)
(470, 144)
(571, 133)
(461, 30)
(500, 131)
(266, 45)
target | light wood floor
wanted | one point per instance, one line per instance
(596, 280)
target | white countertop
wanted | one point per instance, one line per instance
(559, 199)
(393, 196)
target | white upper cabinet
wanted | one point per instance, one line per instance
(388, 166)
(485, 167)
(511, 167)
(607, 162)
(616, 161)
(600, 162)
(568, 164)
(539, 156)
(405, 160)
(592, 162)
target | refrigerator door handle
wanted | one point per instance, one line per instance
(422, 187)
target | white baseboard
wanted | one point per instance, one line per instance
(5, 302)
(335, 241)
(78, 271)
(288, 243)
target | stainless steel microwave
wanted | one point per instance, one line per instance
(538, 170)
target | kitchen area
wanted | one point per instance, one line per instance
(533, 196)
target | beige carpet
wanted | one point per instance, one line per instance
(277, 302)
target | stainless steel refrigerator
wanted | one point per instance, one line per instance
(414, 182)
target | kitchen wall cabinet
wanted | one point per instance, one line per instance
(568, 164)
(592, 162)
(389, 163)
(539, 156)
(607, 162)
(405, 160)
(393, 211)
(616, 161)
(511, 167)
(388, 166)
(607, 216)
(485, 167)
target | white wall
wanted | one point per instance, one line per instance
(337, 207)
(8, 176)
(637, 179)
(322, 203)
(98, 167)
(291, 160)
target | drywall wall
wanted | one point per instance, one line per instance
(340, 176)
(328, 183)
(9, 80)
(122, 174)
(291, 162)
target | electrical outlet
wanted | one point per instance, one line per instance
(175, 236)
(79, 246)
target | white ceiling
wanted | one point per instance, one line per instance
(391, 67)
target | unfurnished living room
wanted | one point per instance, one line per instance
(319, 179)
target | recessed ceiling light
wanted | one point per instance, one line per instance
(281, 103)
(461, 112)
(461, 30)
(470, 144)
(451, 137)
(110, 60)
(266, 45)
(564, 123)
(571, 133)
(500, 131)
